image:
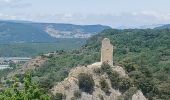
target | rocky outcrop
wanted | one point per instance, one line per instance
(70, 85)
(102, 79)
(138, 96)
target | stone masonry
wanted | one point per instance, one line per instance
(107, 52)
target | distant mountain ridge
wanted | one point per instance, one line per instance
(152, 26)
(25, 31)
(166, 26)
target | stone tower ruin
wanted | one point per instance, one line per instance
(107, 52)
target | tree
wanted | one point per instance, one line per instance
(26, 91)
(86, 82)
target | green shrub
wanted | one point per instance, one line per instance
(105, 67)
(58, 96)
(164, 91)
(86, 82)
(119, 82)
(120, 97)
(77, 94)
(98, 71)
(29, 91)
(101, 97)
(129, 93)
(129, 66)
(73, 98)
(124, 84)
(104, 86)
(114, 78)
(146, 85)
(46, 83)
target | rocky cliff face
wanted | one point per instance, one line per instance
(69, 87)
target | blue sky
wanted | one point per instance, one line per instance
(114, 13)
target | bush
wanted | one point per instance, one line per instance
(105, 67)
(58, 96)
(118, 82)
(104, 86)
(46, 83)
(77, 94)
(146, 85)
(73, 98)
(101, 97)
(98, 71)
(124, 84)
(164, 91)
(86, 82)
(129, 93)
(129, 66)
(29, 91)
(114, 78)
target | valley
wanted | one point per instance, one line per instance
(34, 49)
(27, 39)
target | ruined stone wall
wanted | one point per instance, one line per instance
(107, 52)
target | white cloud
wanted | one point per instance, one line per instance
(7, 17)
(132, 19)
(13, 4)
(158, 16)
(9, 1)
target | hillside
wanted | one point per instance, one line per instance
(21, 32)
(143, 53)
(102, 80)
(11, 32)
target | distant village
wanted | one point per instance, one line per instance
(6, 61)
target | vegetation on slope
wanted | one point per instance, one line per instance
(58, 66)
(145, 54)
(34, 49)
(29, 90)
(86, 83)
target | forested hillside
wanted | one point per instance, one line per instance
(34, 49)
(145, 54)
